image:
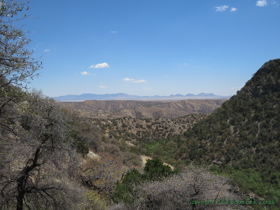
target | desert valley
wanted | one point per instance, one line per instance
(147, 105)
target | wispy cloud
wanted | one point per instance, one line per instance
(221, 8)
(113, 32)
(85, 73)
(147, 88)
(47, 50)
(140, 81)
(261, 3)
(99, 66)
(274, 2)
(101, 86)
(134, 81)
(128, 80)
(224, 8)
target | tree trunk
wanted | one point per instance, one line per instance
(22, 180)
(20, 195)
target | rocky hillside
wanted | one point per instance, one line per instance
(150, 129)
(243, 135)
(142, 109)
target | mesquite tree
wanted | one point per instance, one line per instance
(36, 154)
(35, 149)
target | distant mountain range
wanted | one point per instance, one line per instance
(123, 96)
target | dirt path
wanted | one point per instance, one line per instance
(92, 155)
(130, 144)
(145, 158)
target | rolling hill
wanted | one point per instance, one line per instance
(142, 109)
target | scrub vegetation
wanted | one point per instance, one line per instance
(55, 158)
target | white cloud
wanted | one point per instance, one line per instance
(113, 32)
(47, 50)
(233, 9)
(139, 81)
(147, 88)
(102, 65)
(261, 3)
(99, 66)
(128, 80)
(135, 81)
(221, 8)
(85, 73)
(102, 86)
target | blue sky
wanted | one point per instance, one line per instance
(151, 47)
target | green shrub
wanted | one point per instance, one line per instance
(154, 170)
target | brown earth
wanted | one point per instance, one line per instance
(142, 109)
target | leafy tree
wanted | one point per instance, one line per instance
(16, 62)
(155, 170)
(82, 146)
(125, 189)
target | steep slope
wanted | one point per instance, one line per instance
(243, 134)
